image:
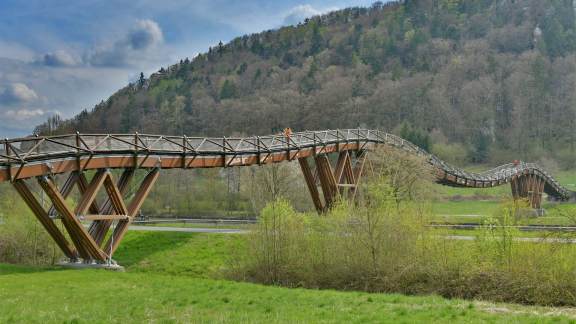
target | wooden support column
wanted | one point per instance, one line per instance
(311, 184)
(537, 192)
(327, 180)
(534, 186)
(540, 192)
(358, 170)
(45, 219)
(523, 186)
(334, 183)
(83, 241)
(133, 208)
(514, 187)
(339, 170)
(526, 189)
(99, 228)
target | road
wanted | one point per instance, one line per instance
(188, 229)
(241, 231)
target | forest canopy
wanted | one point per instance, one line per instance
(471, 80)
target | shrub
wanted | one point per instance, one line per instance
(22, 239)
(383, 244)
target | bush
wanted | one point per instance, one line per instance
(23, 240)
(452, 153)
(381, 244)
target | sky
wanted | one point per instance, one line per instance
(63, 56)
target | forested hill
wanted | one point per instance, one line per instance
(474, 79)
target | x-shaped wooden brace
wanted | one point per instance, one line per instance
(344, 178)
(87, 243)
(528, 187)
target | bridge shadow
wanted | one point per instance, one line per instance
(139, 246)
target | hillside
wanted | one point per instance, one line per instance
(482, 80)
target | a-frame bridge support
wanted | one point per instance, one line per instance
(340, 181)
(97, 243)
(528, 187)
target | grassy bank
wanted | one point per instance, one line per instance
(166, 281)
(99, 296)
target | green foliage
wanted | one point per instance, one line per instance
(23, 240)
(453, 153)
(164, 87)
(479, 147)
(228, 90)
(317, 42)
(416, 136)
(387, 248)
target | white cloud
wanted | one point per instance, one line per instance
(146, 34)
(15, 51)
(24, 114)
(67, 90)
(301, 12)
(17, 93)
(59, 58)
(137, 45)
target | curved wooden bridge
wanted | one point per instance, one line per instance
(43, 157)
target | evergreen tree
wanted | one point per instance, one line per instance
(228, 90)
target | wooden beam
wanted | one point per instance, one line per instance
(90, 192)
(66, 189)
(359, 168)
(339, 170)
(514, 187)
(349, 172)
(99, 228)
(133, 209)
(45, 219)
(311, 184)
(541, 191)
(83, 186)
(104, 217)
(115, 196)
(327, 180)
(81, 238)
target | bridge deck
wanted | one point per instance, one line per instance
(35, 156)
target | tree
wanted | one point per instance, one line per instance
(141, 80)
(479, 146)
(317, 42)
(408, 176)
(228, 90)
(415, 136)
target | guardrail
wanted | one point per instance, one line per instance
(22, 151)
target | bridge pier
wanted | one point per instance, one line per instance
(528, 187)
(334, 183)
(86, 245)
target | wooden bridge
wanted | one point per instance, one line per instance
(40, 158)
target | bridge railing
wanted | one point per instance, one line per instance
(24, 150)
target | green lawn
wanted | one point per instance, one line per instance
(197, 225)
(166, 281)
(182, 254)
(101, 296)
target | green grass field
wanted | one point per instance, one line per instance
(166, 280)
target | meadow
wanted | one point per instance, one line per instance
(167, 280)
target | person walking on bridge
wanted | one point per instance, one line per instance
(287, 133)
